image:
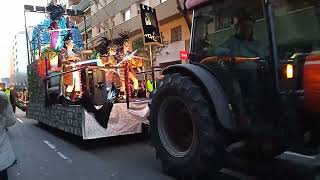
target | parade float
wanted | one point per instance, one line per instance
(87, 92)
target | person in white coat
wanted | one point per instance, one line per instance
(7, 119)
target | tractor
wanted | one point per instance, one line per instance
(251, 89)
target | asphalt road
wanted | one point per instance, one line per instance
(45, 153)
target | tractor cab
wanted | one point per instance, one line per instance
(251, 89)
(231, 39)
(264, 54)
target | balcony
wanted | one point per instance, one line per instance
(83, 5)
(89, 24)
(164, 10)
(114, 7)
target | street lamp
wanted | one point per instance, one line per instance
(29, 8)
(42, 9)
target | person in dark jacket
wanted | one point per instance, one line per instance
(12, 96)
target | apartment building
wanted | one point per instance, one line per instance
(20, 54)
(19, 60)
(110, 17)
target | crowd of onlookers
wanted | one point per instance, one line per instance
(145, 88)
(18, 98)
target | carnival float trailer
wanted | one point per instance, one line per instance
(79, 90)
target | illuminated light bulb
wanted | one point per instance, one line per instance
(289, 71)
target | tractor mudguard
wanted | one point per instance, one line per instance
(215, 91)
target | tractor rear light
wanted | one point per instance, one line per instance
(289, 71)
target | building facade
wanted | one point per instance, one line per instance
(20, 54)
(19, 60)
(107, 18)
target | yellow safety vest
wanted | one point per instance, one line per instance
(150, 85)
(8, 92)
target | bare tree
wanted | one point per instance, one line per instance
(144, 51)
(184, 12)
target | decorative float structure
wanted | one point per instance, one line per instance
(82, 91)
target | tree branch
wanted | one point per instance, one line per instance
(185, 13)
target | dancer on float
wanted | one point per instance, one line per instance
(126, 51)
(71, 80)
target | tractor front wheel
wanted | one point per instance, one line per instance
(184, 129)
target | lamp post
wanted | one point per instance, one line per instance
(85, 31)
(27, 37)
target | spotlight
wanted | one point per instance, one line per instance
(29, 8)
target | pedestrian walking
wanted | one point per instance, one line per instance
(7, 119)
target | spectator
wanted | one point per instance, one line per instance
(13, 96)
(150, 85)
(7, 119)
(142, 89)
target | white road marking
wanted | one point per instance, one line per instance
(300, 155)
(53, 147)
(19, 120)
(61, 155)
(50, 145)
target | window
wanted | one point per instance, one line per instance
(113, 22)
(297, 27)
(176, 34)
(222, 23)
(89, 34)
(96, 5)
(291, 6)
(217, 26)
(248, 39)
(87, 13)
(162, 1)
(126, 15)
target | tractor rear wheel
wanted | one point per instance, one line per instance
(184, 129)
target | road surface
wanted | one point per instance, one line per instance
(45, 153)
